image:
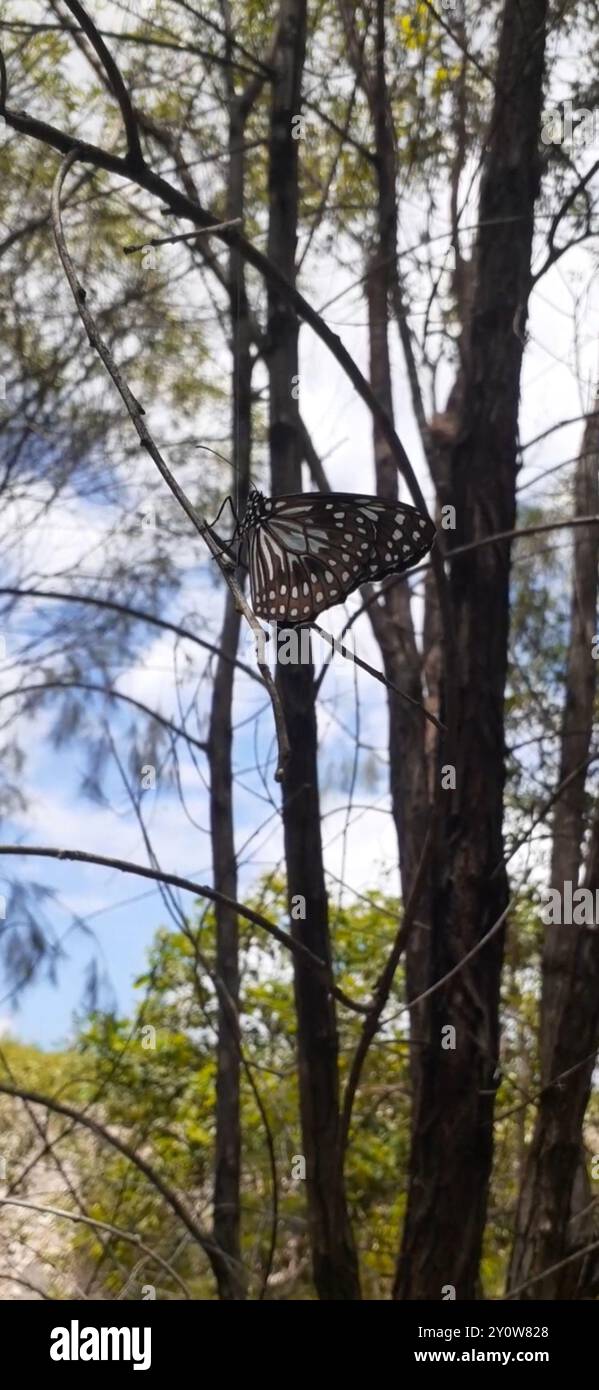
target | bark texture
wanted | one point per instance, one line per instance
(555, 1187)
(227, 1165)
(333, 1253)
(452, 1137)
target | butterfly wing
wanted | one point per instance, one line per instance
(309, 551)
(306, 555)
(403, 537)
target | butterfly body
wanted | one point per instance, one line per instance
(308, 551)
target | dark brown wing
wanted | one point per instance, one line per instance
(310, 551)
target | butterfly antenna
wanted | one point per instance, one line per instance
(216, 453)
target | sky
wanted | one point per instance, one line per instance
(119, 914)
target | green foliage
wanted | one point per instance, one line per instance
(151, 1079)
(48, 1073)
(153, 1075)
(162, 1098)
(515, 1104)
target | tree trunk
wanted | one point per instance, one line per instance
(392, 622)
(570, 1000)
(227, 1164)
(391, 619)
(450, 1160)
(333, 1253)
(227, 1171)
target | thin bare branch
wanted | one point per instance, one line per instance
(337, 646)
(136, 413)
(585, 1250)
(181, 236)
(200, 1235)
(382, 992)
(200, 890)
(82, 1218)
(111, 694)
(128, 611)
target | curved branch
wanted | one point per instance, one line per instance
(381, 994)
(181, 205)
(200, 1235)
(200, 890)
(81, 1217)
(115, 80)
(129, 612)
(585, 1250)
(555, 252)
(113, 695)
(136, 413)
(561, 424)
(337, 646)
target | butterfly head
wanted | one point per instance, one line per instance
(257, 508)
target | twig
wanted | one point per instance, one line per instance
(115, 80)
(567, 524)
(474, 950)
(552, 1269)
(381, 995)
(136, 413)
(561, 424)
(202, 1236)
(62, 596)
(201, 890)
(556, 252)
(118, 1231)
(570, 523)
(337, 646)
(181, 236)
(549, 1086)
(37, 687)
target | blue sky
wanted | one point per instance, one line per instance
(125, 912)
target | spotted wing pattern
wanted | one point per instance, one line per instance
(308, 551)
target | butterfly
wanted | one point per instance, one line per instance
(308, 551)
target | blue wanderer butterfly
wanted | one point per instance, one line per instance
(308, 551)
